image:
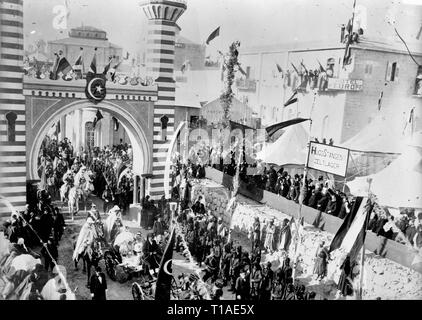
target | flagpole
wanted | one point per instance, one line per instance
(303, 188)
(362, 258)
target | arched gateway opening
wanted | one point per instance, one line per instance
(141, 148)
(137, 136)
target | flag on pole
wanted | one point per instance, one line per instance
(297, 71)
(411, 115)
(93, 67)
(351, 234)
(380, 100)
(213, 35)
(321, 68)
(114, 70)
(53, 74)
(273, 129)
(79, 64)
(107, 67)
(79, 60)
(97, 118)
(419, 33)
(292, 99)
(304, 67)
(163, 285)
(63, 67)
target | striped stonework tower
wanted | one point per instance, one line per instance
(162, 16)
(12, 106)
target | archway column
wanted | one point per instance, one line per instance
(135, 189)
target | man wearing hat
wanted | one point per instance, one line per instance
(242, 287)
(98, 285)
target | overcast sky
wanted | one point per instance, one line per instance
(253, 22)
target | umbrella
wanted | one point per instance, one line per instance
(24, 262)
(123, 238)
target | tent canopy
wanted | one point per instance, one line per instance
(398, 185)
(382, 134)
(290, 148)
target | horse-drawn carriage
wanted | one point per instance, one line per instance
(111, 241)
(120, 261)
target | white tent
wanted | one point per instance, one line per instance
(290, 148)
(398, 185)
(383, 134)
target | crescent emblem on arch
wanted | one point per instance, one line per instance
(96, 89)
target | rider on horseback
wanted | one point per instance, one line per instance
(94, 213)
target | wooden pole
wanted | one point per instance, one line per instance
(299, 237)
(362, 265)
(362, 259)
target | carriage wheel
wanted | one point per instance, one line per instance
(109, 264)
(121, 275)
(137, 292)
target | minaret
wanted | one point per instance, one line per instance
(162, 16)
(12, 106)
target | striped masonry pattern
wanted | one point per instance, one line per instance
(12, 154)
(160, 62)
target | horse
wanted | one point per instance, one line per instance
(73, 203)
(88, 247)
(64, 193)
(86, 189)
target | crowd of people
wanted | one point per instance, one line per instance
(36, 232)
(225, 263)
(323, 196)
(59, 163)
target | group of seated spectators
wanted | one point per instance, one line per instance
(325, 198)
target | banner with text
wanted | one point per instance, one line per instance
(328, 158)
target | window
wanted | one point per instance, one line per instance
(11, 126)
(89, 135)
(368, 69)
(392, 72)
